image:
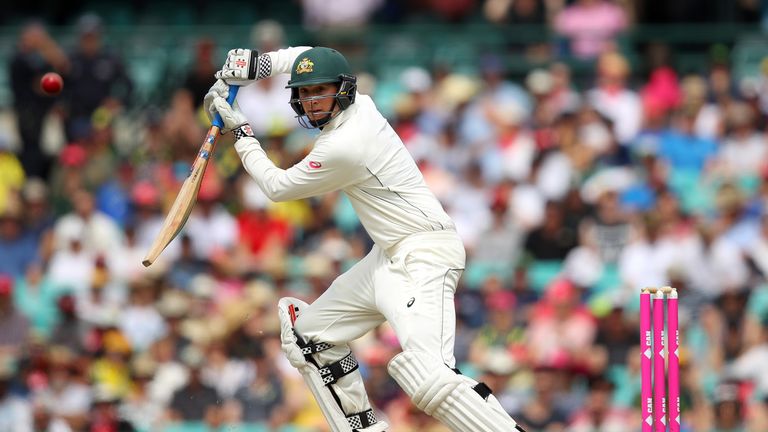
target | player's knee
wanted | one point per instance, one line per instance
(424, 378)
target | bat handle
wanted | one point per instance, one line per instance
(230, 100)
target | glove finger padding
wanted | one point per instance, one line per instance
(230, 115)
(218, 89)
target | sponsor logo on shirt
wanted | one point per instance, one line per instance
(314, 164)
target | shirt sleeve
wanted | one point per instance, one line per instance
(325, 169)
(279, 62)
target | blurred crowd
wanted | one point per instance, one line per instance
(569, 200)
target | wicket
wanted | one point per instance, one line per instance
(656, 353)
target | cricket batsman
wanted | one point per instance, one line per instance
(408, 278)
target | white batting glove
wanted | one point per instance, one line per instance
(241, 67)
(230, 115)
(218, 89)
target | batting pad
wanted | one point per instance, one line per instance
(319, 379)
(447, 396)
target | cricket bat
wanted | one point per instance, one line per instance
(187, 196)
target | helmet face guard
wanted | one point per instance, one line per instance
(344, 97)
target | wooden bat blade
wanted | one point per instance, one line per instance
(185, 200)
(187, 196)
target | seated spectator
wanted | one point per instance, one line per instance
(591, 26)
(18, 246)
(262, 398)
(543, 410)
(140, 321)
(195, 401)
(67, 394)
(614, 100)
(15, 326)
(561, 330)
(599, 414)
(16, 410)
(36, 296)
(552, 240)
(99, 234)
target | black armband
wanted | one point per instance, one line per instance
(243, 131)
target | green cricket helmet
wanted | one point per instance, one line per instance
(321, 65)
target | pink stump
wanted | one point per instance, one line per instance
(646, 351)
(659, 381)
(673, 367)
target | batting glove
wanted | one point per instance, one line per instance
(241, 67)
(218, 89)
(232, 118)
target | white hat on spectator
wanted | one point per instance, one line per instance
(173, 304)
(509, 113)
(317, 266)
(192, 356)
(540, 81)
(499, 361)
(203, 285)
(35, 190)
(615, 179)
(416, 79)
(596, 136)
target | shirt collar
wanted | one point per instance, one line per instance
(339, 119)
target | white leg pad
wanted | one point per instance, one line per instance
(288, 309)
(447, 396)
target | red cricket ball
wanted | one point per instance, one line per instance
(51, 83)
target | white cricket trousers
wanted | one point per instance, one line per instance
(411, 285)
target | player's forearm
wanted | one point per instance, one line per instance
(280, 61)
(270, 178)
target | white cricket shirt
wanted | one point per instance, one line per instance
(360, 154)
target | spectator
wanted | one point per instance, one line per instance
(200, 72)
(338, 13)
(105, 416)
(67, 395)
(137, 407)
(96, 78)
(211, 227)
(17, 411)
(263, 102)
(140, 321)
(181, 127)
(195, 401)
(18, 246)
(38, 216)
(263, 396)
(37, 53)
(11, 174)
(613, 99)
(543, 410)
(561, 330)
(683, 150)
(553, 240)
(591, 27)
(69, 332)
(98, 233)
(35, 296)
(15, 326)
(599, 414)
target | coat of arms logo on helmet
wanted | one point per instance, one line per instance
(305, 65)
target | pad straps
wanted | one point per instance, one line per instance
(309, 348)
(362, 420)
(480, 388)
(331, 373)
